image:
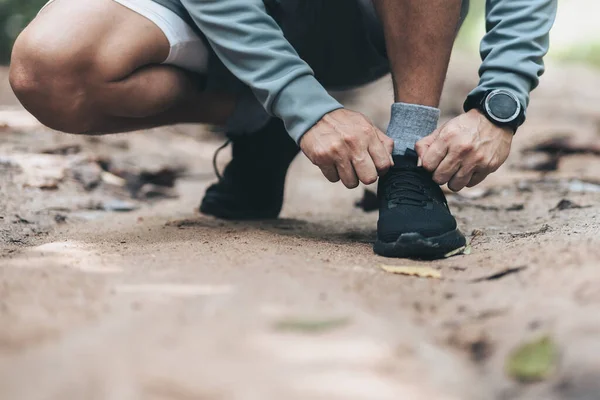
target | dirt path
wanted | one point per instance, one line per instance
(162, 303)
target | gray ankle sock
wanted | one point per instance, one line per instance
(411, 123)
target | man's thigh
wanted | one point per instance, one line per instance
(100, 37)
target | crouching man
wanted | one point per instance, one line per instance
(262, 69)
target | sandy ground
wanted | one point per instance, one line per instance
(163, 303)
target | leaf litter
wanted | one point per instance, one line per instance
(309, 325)
(533, 361)
(465, 250)
(420, 272)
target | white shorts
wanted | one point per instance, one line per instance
(188, 50)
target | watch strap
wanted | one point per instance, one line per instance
(477, 101)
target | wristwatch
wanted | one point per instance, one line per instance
(500, 106)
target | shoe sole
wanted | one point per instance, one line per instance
(415, 245)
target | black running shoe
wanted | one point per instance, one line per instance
(252, 186)
(414, 218)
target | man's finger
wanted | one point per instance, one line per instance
(434, 155)
(381, 155)
(347, 174)
(477, 178)
(387, 141)
(423, 145)
(330, 172)
(460, 179)
(446, 170)
(365, 168)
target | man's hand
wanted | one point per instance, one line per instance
(345, 145)
(465, 150)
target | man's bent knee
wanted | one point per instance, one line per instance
(51, 85)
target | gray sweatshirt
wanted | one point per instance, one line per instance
(252, 46)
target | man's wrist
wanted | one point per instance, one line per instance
(500, 106)
(301, 104)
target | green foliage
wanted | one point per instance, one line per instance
(586, 53)
(533, 361)
(473, 27)
(14, 16)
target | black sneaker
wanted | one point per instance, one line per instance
(252, 186)
(414, 218)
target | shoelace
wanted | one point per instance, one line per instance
(215, 159)
(406, 188)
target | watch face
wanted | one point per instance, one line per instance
(503, 106)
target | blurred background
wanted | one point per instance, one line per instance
(575, 36)
(112, 284)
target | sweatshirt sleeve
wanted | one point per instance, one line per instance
(516, 42)
(252, 46)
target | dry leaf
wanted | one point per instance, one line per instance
(467, 250)
(460, 250)
(421, 272)
(532, 362)
(310, 325)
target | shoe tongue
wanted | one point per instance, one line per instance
(409, 159)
